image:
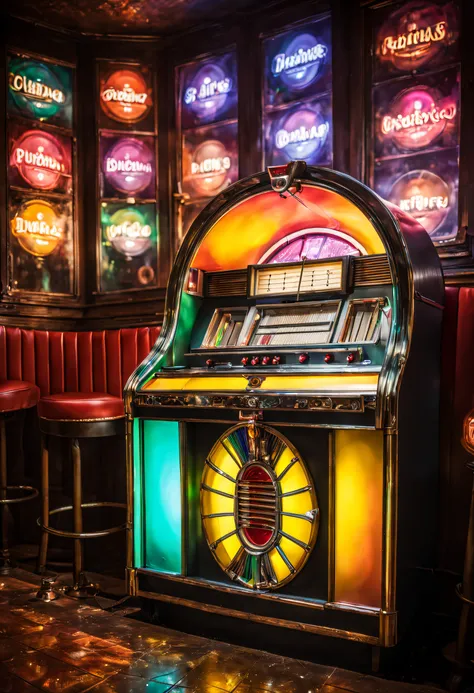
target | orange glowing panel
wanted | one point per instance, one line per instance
(358, 517)
(247, 231)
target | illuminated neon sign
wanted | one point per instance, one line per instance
(413, 35)
(35, 89)
(38, 227)
(129, 232)
(301, 62)
(208, 93)
(424, 195)
(210, 167)
(417, 117)
(128, 165)
(302, 134)
(40, 159)
(125, 96)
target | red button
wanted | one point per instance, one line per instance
(302, 358)
(276, 360)
(244, 360)
(328, 358)
(255, 360)
(350, 358)
(209, 363)
(266, 360)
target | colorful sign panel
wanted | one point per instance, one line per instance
(298, 63)
(210, 160)
(208, 91)
(300, 132)
(40, 160)
(128, 166)
(40, 90)
(416, 36)
(423, 116)
(426, 188)
(38, 227)
(41, 245)
(129, 246)
(125, 94)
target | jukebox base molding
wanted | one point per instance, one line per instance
(334, 620)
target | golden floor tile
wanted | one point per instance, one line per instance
(49, 674)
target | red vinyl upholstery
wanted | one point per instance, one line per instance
(457, 398)
(80, 406)
(17, 394)
(97, 364)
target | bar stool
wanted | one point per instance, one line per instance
(14, 396)
(76, 415)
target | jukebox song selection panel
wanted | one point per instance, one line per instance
(128, 248)
(415, 94)
(41, 162)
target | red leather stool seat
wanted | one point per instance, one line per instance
(80, 406)
(17, 394)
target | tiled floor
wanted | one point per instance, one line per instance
(70, 647)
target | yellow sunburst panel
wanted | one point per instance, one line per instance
(259, 507)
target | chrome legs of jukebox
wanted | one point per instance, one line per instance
(282, 433)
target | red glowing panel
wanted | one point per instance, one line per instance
(417, 117)
(416, 34)
(125, 96)
(257, 506)
(41, 159)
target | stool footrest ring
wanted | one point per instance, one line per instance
(84, 535)
(31, 492)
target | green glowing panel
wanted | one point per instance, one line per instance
(162, 496)
(137, 495)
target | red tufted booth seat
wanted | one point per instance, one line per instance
(80, 375)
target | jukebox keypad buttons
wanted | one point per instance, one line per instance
(209, 363)
(244, 360)
(255, 360)
(328, 358)
(302, 358)
(350, 358)
(276, 360)
(266, 360)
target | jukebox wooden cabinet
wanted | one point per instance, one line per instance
(282, 433)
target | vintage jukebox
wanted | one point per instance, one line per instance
(283, 431)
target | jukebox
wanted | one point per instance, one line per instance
(282, 433)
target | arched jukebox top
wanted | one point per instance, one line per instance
(295, 288)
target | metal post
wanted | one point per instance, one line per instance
(5, 563)
(77, 510)
(43, 550)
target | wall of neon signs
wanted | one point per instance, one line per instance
(297, 121)
(40, 177)
(128, 229)
(416, 115)
(206, 93)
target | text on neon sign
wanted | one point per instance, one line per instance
(421, 203)
(38, 159)
(208, 89)
(128, 230)
(212, 165)
(317, 132)
(283, 62)
(36, 90)
(37, 227)
(417, 118)
(127, 166)
(417, 37)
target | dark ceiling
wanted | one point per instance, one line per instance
(124, 16)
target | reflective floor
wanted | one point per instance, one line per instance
(69, 646)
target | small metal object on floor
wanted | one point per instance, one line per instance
(46, 592)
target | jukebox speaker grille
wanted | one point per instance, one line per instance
(258, 507)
